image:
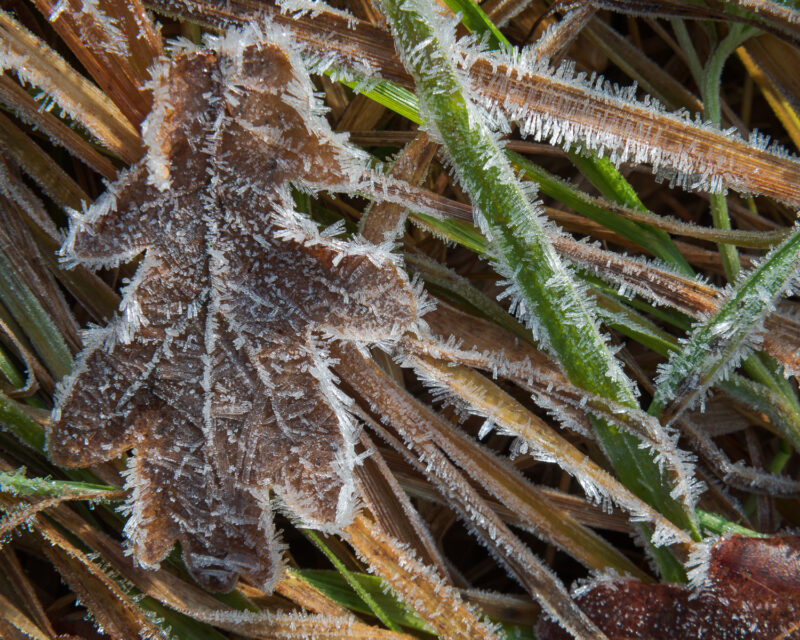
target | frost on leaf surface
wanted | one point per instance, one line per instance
(216, 372)
(750, 590)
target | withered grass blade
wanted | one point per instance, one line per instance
(27, 109)
(39, 65)
(392, 509)
(439, 605)
(39, 166)
(409, 418)
(116, 42)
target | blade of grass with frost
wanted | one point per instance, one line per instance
(410, 418)
(373, 606)
(333, 585)
(432, 600)
(757, 366)
(639, 226)
(604, 176)
(38, 325)
(717, 344)
(39, 65)
(45, 171)
(553, 303)
(600, 171)
(18, 484)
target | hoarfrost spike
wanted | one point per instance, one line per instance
(217, 373)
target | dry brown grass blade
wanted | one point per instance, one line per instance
(657, 137)
(492, 474)
(39, 166)
(392, 509)
(23, 592)
(33, 367)
(436, 603)
(111, 607)
(384, 219)
(648, 135)
(775, 17)
(651, 77)
(780, 14)
(20, 249)
(534, 508)
(766, 59)
(487, 399)
(410, 419)
(590, 515)
(502, 11)
(293, 587)
(28, 110)
(115, 41)
(556, 40)
(547, 514)
(39, 65)
(781, 340)
(94, 295)
(189, 599)
(12, 620)
(14, 188)
(659, 285)
(735, 474)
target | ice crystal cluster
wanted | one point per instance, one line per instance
(216, 373)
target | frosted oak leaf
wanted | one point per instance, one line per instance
(216, 372)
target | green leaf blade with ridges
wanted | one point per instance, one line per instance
(718, 343)
(555, 306)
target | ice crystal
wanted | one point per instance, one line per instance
(216, 373)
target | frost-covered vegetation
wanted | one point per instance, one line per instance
(396, 318)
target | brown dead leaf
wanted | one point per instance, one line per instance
(751, 592)
(216, 374)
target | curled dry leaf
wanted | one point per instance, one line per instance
(216, 373)
(751, 590)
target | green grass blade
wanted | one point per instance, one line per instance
(717, 524)
(717, 344)
(14, 418)
(474, 19)
(390, 95)
(18, 484)
(35, 321)
(555, 305)
(374, 607)
(334, 585)
(604, 175)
